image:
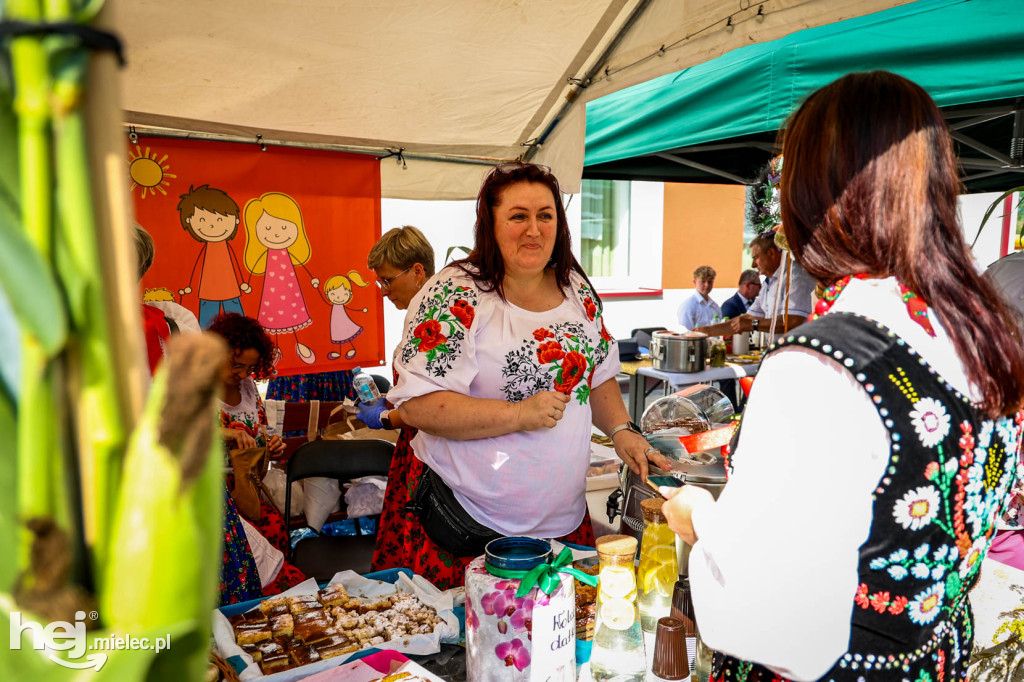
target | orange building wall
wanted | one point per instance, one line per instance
(703, 226)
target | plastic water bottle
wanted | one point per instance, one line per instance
(365, 386)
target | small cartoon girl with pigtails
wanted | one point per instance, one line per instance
(338, 291)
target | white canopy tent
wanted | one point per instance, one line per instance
(455, 84)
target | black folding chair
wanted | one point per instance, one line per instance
(322, 556)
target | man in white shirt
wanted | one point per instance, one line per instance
(699, 309)
(787, 309)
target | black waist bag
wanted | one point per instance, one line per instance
(444, 519)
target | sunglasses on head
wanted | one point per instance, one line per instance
(520, 165)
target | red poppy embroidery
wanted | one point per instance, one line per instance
(429, 334)
(879, 601)
(897, 605)
(605, 336)
(861, 598)
(549, 351)
(542, 333)
(464, 312)
(573, 366)
(590, 307)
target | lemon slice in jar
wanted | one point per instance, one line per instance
(616, 582)
(661, 579)
(618, 614)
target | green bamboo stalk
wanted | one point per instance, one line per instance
(97, 407)
(39, 451)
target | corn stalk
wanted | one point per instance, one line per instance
(133, 527)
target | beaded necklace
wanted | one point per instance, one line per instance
(916, 308)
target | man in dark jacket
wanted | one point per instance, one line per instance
(749, 286)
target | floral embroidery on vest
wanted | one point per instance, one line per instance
(445, 314)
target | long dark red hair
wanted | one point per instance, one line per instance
(870, 185)
(484, 264)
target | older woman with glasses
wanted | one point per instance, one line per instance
(402, 260)
(504, 366)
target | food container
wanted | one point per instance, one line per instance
(514, 634)
(690, 410)
(675, 352)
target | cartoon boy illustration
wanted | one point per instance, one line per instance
(211, 217)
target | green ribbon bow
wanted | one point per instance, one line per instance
(544, 575)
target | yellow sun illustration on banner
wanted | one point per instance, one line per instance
(148, 173)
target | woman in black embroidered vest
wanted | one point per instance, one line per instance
(880, 440)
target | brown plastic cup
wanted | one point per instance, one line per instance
(670, 658)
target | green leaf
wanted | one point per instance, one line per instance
(992, 207)
(442, 348)
(448, 254)
(583, 394)
(9, 528)
(30, 286)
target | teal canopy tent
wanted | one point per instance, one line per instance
(718, 121)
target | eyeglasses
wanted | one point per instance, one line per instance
(520, 165)
(384, 283)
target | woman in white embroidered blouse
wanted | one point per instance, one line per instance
(869, 206)
(506, 362)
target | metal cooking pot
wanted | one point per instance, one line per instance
(674, 352)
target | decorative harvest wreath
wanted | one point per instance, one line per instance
(765, 214)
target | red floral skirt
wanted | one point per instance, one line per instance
(401, 542)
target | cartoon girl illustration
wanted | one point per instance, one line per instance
(338, 291)
(275, 243)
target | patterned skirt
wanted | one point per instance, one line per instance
(401, 541)
(239, 579)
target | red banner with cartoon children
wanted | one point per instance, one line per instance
(279, 235)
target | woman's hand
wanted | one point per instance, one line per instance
(240, 438)
(635, 451)
(541, 410)
(678, 508)
(275, 446)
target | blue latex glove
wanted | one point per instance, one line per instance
(369, 413)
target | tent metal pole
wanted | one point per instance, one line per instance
(176, 133)
(703, 167)
(573, 94)
(984, 149)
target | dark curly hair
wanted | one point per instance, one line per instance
(242, 333)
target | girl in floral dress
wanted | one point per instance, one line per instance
(880, 441)
(504, 366)
(275, 242)
(243, 425)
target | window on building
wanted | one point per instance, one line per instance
(604, 228)
(620, 233)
